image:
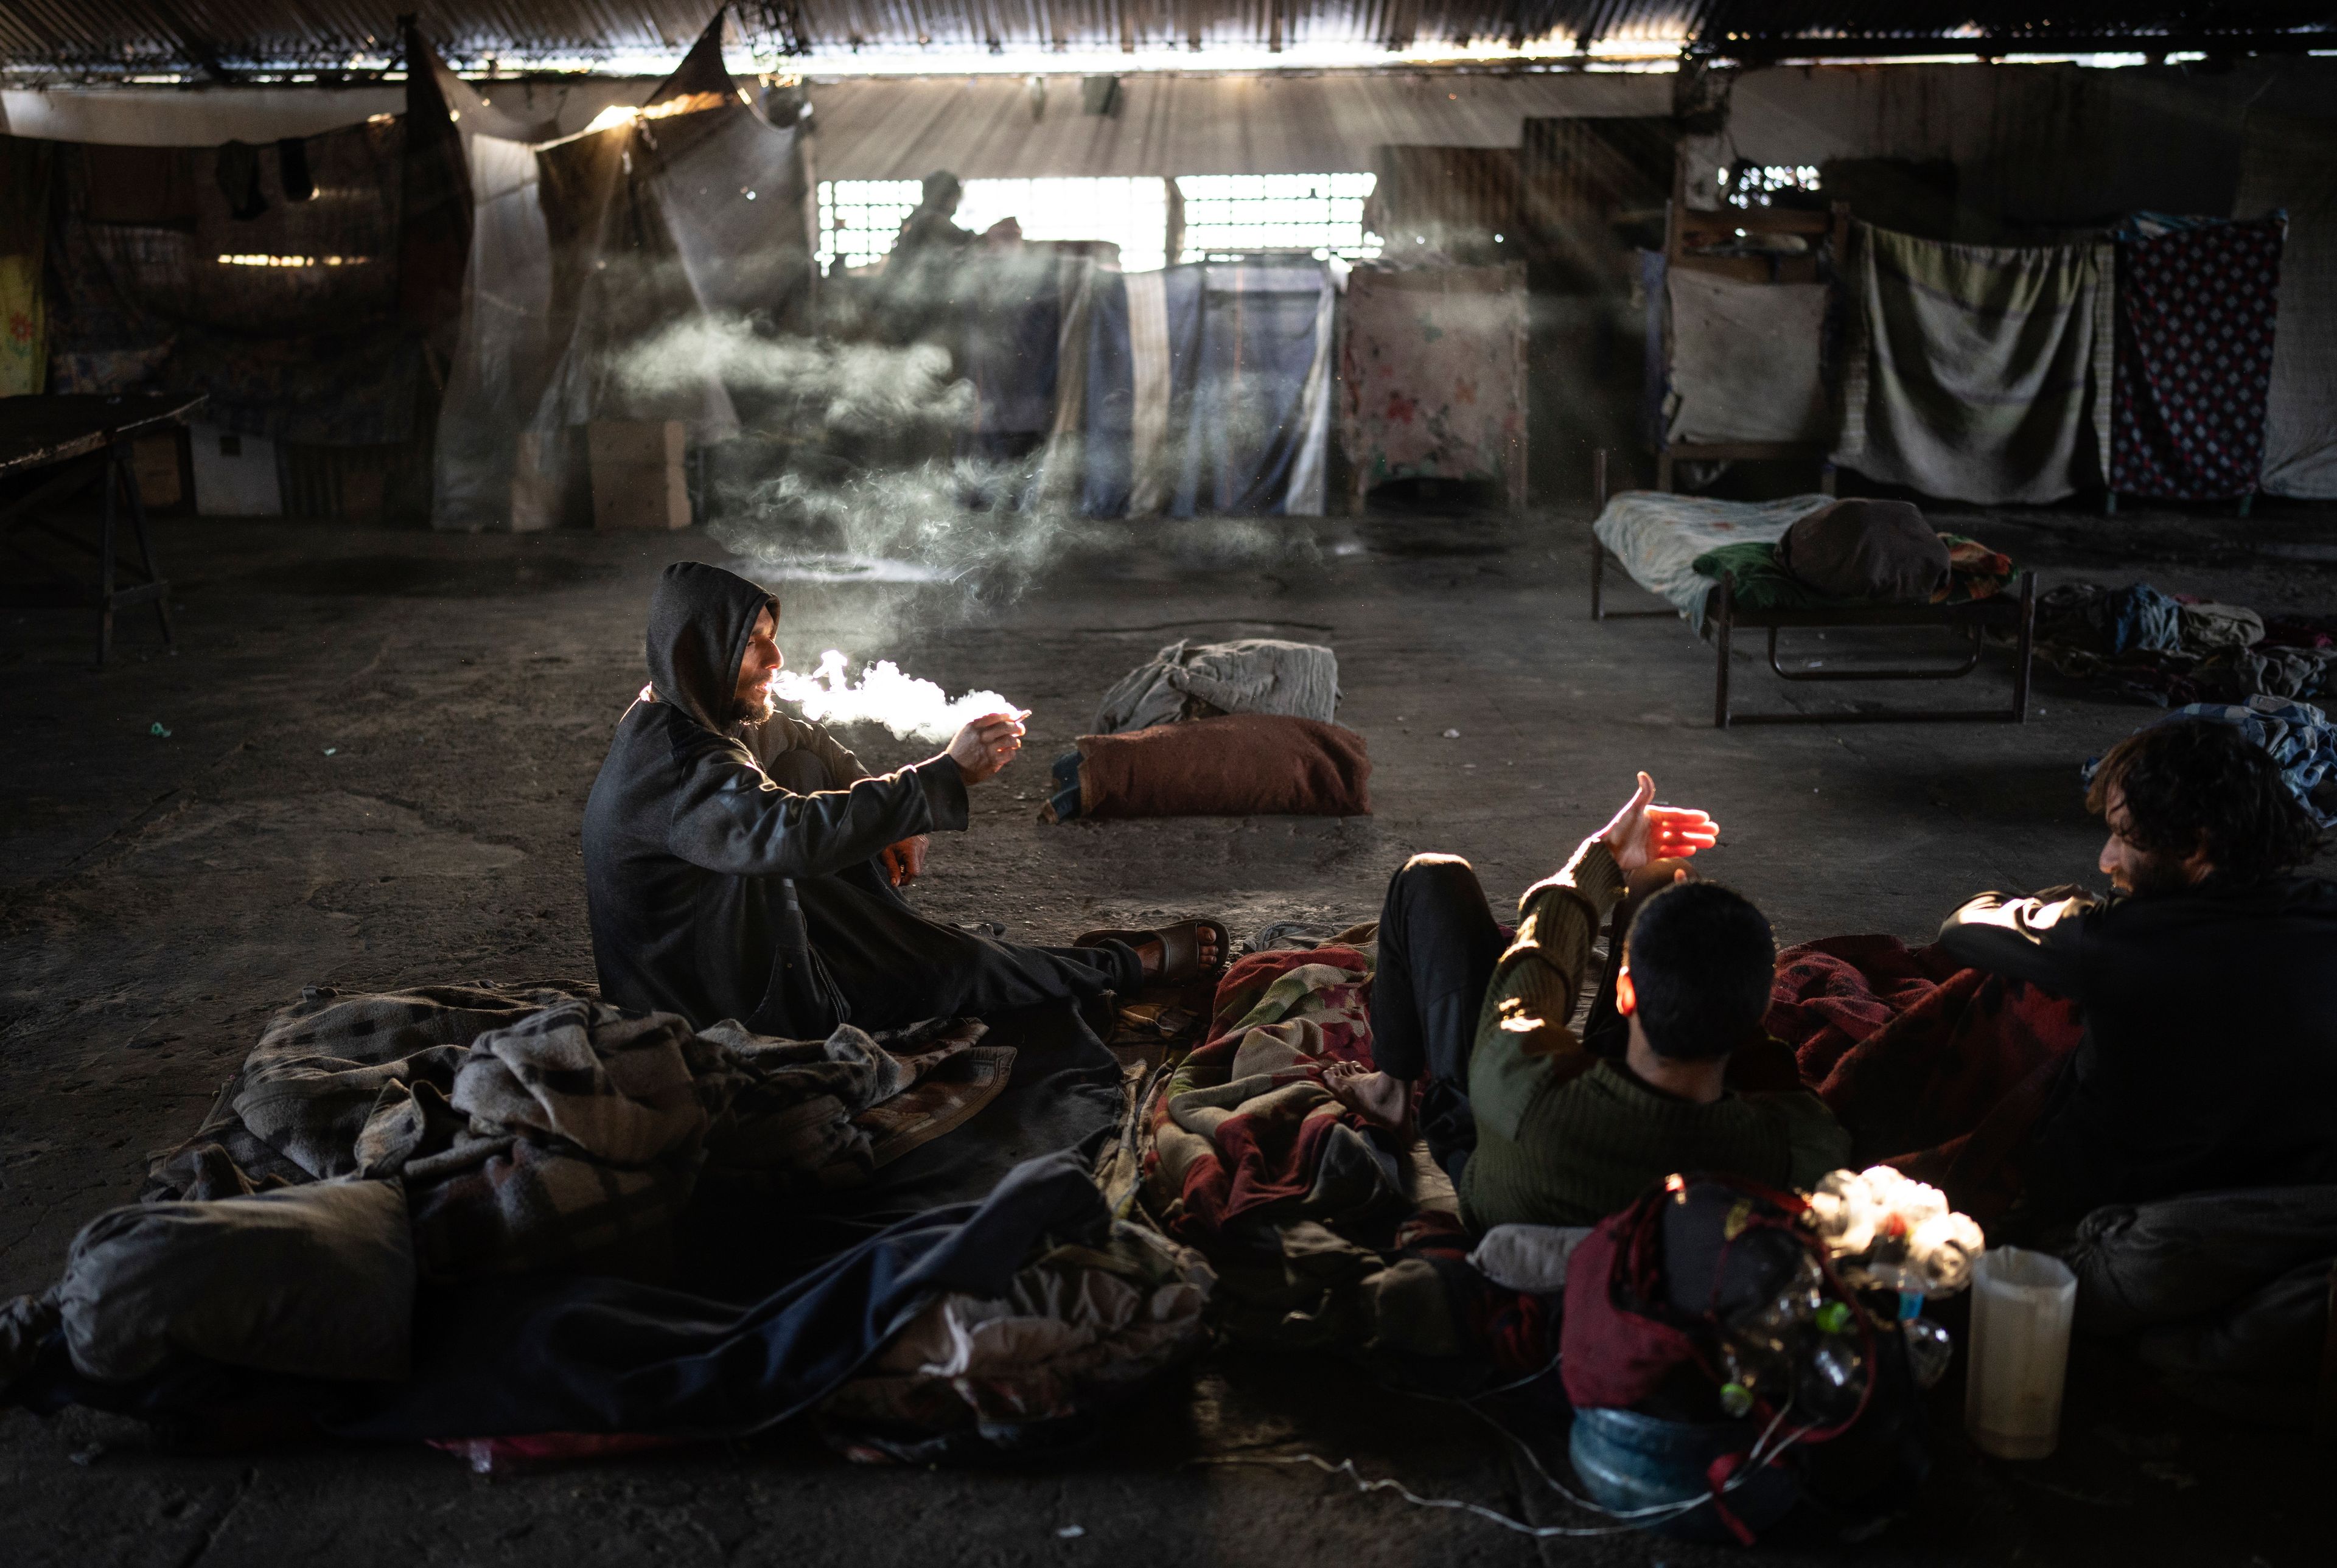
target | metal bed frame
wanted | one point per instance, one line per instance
(1724, 617)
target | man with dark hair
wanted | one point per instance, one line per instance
(2209, 980)
(1539, 1124)
(742, 865)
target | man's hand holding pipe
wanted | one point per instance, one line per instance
(986, 745)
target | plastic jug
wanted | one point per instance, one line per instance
(2022, 1304)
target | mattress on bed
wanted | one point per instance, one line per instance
(1657, 536)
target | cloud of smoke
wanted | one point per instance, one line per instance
(842, 475)
(911, 708)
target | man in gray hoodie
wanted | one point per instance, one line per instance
(734, 870)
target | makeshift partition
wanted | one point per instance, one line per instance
(2291, 163)
(1433, 377)
(1207, 391)
(500, 362)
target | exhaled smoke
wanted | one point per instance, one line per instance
(853, 388)
(911, 708)
(853, 465)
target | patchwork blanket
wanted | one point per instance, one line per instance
(1324, 1234)
(1934, 1068)
(538, 1126)
(1245, 1123)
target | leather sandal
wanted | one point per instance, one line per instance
(1180, 949)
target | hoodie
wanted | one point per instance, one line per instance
(688, 843)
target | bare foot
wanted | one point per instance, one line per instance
(1377, 1098)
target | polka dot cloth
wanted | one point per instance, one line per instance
(2195, 332)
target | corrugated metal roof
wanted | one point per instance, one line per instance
(227, 38)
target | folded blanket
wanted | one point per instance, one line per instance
(1757, 583)
(1252, 674)
(1242, 765)
(1936, 1069)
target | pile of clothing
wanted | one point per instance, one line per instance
(1219, 729)
(2173, 649)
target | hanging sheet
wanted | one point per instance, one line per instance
(266, 278)
(1109, 425)
(1744, 364)
(693, 210)
(1976, 373)
(2195, 358)
(23, 240)
(498, 373)
(1433, 376)
(1151, 375)
(1258, 342)
(1014, 326)
(2291, 163)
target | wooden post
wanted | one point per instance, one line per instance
(1720, 631)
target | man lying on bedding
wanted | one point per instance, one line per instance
(715, 819)
(2209, 980)
(1540, 1125)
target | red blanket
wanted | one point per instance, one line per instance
(1938, 1070)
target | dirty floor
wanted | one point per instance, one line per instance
(365, 766)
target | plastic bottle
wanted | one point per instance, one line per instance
(2022, 1304)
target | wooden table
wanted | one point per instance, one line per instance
(85, 438)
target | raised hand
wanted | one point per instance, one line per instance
(1643, 832)
(985, 745)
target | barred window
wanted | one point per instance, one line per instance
(1235, 214)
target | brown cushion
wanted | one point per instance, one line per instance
(1238, 766)
(1868, 550)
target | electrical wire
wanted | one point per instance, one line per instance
(1759, 1458)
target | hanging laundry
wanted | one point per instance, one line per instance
(1971, 371)
(2195, 309)
(1432, 374)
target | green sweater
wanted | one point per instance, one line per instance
(1565, 1138)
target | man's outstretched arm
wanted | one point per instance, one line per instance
(728, 817)
(2034, 938)
(1524, 1035)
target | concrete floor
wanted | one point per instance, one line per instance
(378, 747)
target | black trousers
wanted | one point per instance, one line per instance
(893, 965)
(1439, 944)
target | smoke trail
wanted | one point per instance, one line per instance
(911, 708)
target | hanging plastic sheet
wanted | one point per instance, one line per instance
(1013, 329)
(500, 360)
(1260, 335)
(2291, 163)
(288, 320)
(690, 210)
